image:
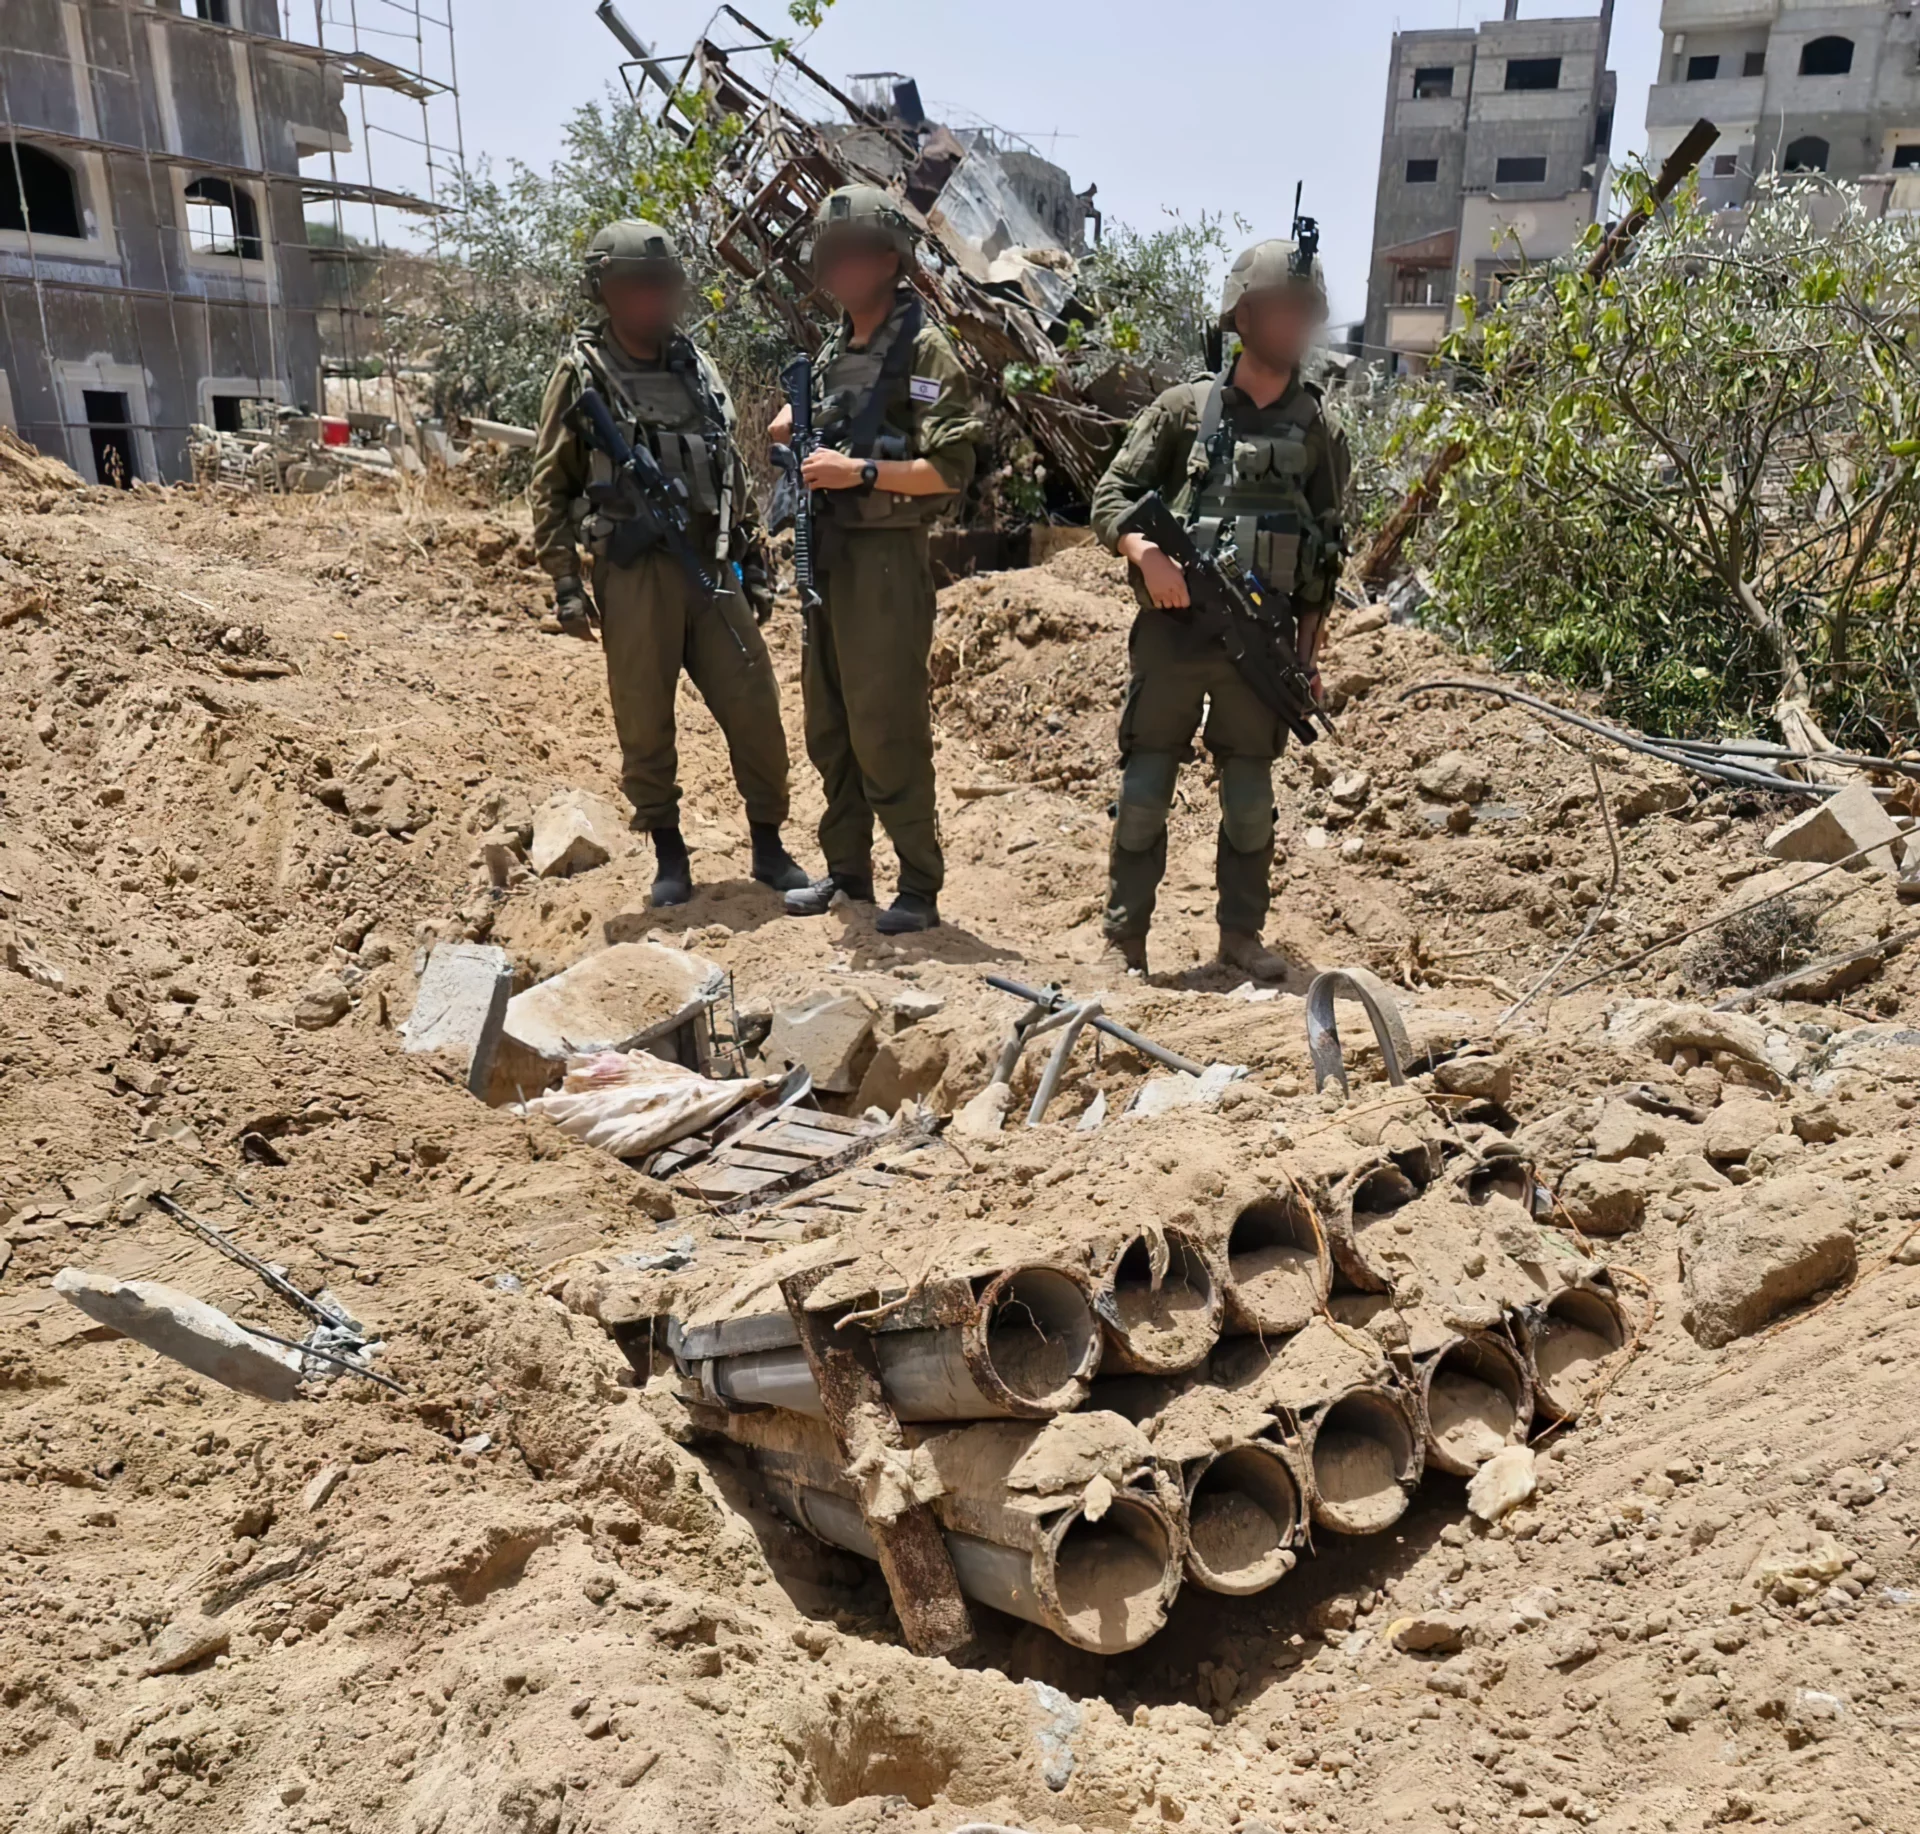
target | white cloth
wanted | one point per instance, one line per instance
(631, 1103)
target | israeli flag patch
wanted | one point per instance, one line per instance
(924, 388)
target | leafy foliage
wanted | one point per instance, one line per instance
(1697, 483)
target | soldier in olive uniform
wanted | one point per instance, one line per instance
(900, 427)
(654, 621)
(1252, 454)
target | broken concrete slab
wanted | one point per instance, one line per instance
(187, 1640)
(633, 996)
(461, 1006)
(1605, 1199)
(1841, 825)
(1745, 1262)
(574, 832)
(1164, 1094)
(187, 1329)
(832, 1034)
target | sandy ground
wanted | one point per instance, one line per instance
(245, 754)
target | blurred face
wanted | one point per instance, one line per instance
(643, 309)
(1277, 326)
(855, 269)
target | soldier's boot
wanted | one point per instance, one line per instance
(1244, 950)
(772, 863)
(1124, 955)
(673, 871)
(813, 899)
(909, 913)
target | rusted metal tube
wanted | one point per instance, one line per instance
(1246, 1515)
(1569, 1338)
(1159, 1326)
(1279, 1268)
(1364, 1456)
(1476, 1396)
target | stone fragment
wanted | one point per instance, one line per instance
(573, 833)
(465, 986)
(1841, 825)
(912, 1004)
(1626, 1132)
(1749, 1259)
(1351, 789)
(1453, 777)
(1735, 1128)
(1430, 1633)
(187, 1329)
(322, 1485)
(1484, 1078)
(1666, 1028)
(831, 1034)
(1661, 796)
(905, 1068)
(378, 799)
(326, 1002)
(1605, 1198)
(184, 1642)
(1502, 1484)
(1365, 621)
(1164, 1094)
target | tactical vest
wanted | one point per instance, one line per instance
(1251, 489)
(865, 408)
(675, 410)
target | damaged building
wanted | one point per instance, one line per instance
(156, 270)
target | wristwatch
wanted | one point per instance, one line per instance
(869, 475)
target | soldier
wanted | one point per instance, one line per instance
(1252, 449)
(898, 420)
(653, 621)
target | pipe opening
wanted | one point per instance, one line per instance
(1277, 1264)
(1242, 1519)
(1110, 1577)
(1380, 1193)
(1363, 1463)
(1042, 1339)
(1171, 1327)
(1500, 1178)
(1581, 1329)
(1476, 1404)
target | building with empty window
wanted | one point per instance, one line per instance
(1810, 88)
(154, 262)
(1494, 155)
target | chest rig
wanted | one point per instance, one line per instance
(1249, 487)
(866, 409)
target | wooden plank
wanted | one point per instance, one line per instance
(725, 1180)
(755, 1159)
(802, 1138)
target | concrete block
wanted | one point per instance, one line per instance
(461, 1006)
(831, 1033)
(1744, 1264)
(575, 832)
(187, 1329)
(1841, 825)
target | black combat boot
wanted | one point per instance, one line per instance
(813, 899)
(772, 863)
(673, 871)
(908, 913)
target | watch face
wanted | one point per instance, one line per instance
(869, 473)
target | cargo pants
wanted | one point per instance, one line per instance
(653, 624)
(869, 719)
(1177, 683)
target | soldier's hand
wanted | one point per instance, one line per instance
(827, 469)
(1166, 584)
(781, 431)
(758, 586)
(572, 609)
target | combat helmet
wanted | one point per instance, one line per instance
(642, 250)
(857, 208)
(1264, 268)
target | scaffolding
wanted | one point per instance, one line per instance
(197, 139)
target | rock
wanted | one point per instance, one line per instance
(324, 1003)
(1667, 1028)
(1819, 1123)
(1336, 1615)
(1605, 1198)
(322, 1485)
(831, 1033)
(905, 1068)
(1430, 1633)
(462, 1003)
(1841, 825)
(184, 1642)
(1502, 1484)
(1747, 1261)
(1351, 789)
(1662, 796)
(1735, 1128)
(1348, 684)
(1626, 1132)
(1693, 1700)
(1571, 1643)
(575, 832)
(984, 1114)
(379, 799)
(178, 1325)
(1692, 1172)
(912, 1004)
(1164, 1094)
(1453, 777)
(1485, 1078)
(633, 996)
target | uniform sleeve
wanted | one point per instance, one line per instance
(1150, 458)
(1327, 497)
(560, 474)
(949, 427)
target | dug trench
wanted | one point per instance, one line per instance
(250, 755)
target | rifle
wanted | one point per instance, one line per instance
(661, 514)
(1227, 602)
(1306, 236)
(797, 380)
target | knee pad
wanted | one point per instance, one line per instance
(1246, 804)
(1146, 795)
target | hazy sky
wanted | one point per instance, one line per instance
(1163, 105)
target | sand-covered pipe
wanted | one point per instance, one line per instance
(1365, 1456)
(1102, 1586)
(1569, 1339)
(1477, 1397)
(1361, 1203)
(1026, 1349)
(1246, 1515)
(1160, 1303)
(1279, 1268)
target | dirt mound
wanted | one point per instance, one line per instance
(248, 757)
(27, 472)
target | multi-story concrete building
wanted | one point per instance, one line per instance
(1494, 155)
(154, 265)
(1827, 87)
